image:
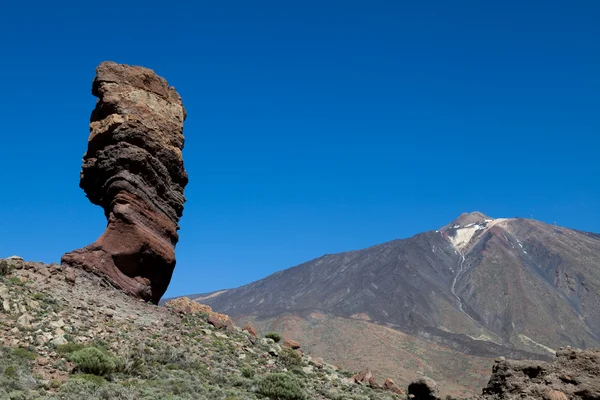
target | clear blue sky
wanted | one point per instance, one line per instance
(313, 126)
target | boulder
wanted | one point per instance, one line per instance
(133, 169)
(216, 322)
(574, 374)
(423, 389)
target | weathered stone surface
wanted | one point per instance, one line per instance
(575, 374)
(133, 168)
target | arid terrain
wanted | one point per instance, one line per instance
(450, 300)
(68, 334)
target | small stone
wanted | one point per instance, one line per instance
(250, 329)
(59, 340)
(308, 369)
(6, 306)
(291, 344)
(390, 385)
(363, 376)
(215, 321)
(44, 272)
(57, 324)
(70, 275)
(24, 321)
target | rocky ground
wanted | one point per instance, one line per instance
(67, 334)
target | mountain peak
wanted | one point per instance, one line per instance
(465, 219)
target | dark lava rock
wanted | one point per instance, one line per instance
(423, 389)
(574, 374)
(133, 168)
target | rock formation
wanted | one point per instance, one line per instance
(575, 374)
(133, 168)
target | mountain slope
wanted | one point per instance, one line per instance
(503, 281)
(482, 286)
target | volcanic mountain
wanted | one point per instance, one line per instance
(439, 303)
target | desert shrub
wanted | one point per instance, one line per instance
(248, 372)
(95, 379)
(68, 348)
(4, 268)
(290, 358)
(273, 335)
(77, 389)
(15, 371)
(281, 386)
(24, 354)
(91, 360)
(131, 362)
(14, 280)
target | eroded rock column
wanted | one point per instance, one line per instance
(133, 169)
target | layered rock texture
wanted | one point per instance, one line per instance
(133, 169)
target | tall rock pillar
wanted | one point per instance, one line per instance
(133, 169)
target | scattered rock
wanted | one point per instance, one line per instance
(216, 321)
(390, 385)
(24, 321)
(363, 376)
(250, 329)
(133, 168)
(70, 275)
(308, 369)
(373, 383)
(292, 344)
(6, 305)
(59, 340)
(317, 362)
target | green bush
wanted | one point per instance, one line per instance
(68, 348)
(4, 268)
(248, 372)
(91, 360)
(290, 358)
(24, 354)
(15, 371)
(95, 379)
(273, 335)
(281, 386)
